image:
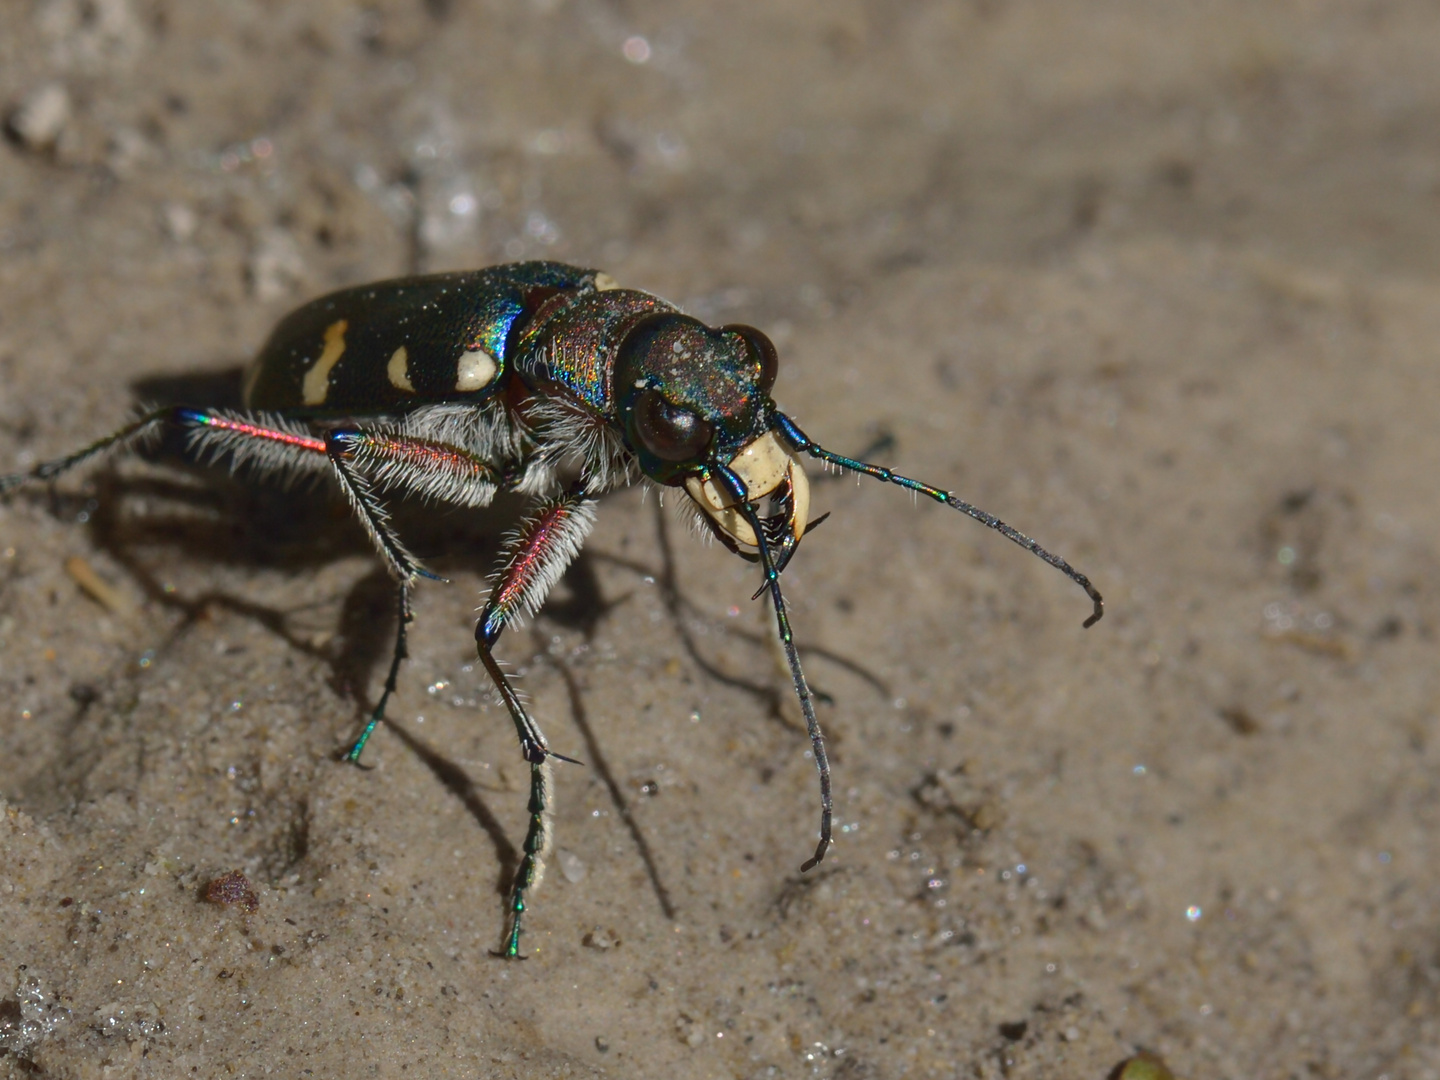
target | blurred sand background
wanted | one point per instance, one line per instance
(1157, 283)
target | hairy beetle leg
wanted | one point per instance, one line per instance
(363, 460)
(536, 556)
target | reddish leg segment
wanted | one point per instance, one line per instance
(359, 460)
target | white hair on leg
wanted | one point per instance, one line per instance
(283, 460)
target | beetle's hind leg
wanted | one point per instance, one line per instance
(144, 426)
(535, 558)
(270, 446)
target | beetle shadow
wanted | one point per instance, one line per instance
(681, 610)
(595, 758)
(458, 782)
(220, 389)
(213, 516)
(587, 606)
(582, 607)
(203, 514)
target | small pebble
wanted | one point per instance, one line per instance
(41, 116)
(276, 266)
(600, 939)
(571, 866)
(179, 222)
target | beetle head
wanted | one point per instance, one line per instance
(692, 399)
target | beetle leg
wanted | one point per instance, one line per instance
(268, 444)
(428, 468)
(276, 446)
(403, 566)
(360, 460)
(537, 555)
(374, 518)
(432, 468)
(400, 652)
(142, 427)
(423, 466)
(736, 487)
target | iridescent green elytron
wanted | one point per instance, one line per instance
(549, 381)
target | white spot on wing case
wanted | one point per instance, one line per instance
(316, 385)
(475, 370)
(399, 370)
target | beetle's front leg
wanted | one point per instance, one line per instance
(536, 557)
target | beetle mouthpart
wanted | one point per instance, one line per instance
(766, 467)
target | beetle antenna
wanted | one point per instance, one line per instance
(801, 441)
(792, 657)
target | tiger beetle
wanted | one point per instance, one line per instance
(545, 380)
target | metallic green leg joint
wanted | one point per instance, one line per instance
(358, 747)
(536, 557)
(532, 864)
(400, 652)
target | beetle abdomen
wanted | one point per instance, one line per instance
(393, 345)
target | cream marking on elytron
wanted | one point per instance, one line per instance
(398, 369)
(316, 386)
(476, 370)
(604, 282)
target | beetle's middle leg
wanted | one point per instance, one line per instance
(360, 460)
(276, 447)
(535, 558)
(412, 465)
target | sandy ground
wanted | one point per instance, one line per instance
(1158, 283)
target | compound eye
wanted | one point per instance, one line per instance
(764, 352)
(668, 431)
